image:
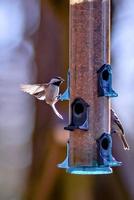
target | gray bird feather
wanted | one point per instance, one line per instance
(116, 127)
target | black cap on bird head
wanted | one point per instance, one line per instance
(59, 78)
(56, 80)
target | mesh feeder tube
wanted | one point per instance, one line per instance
(89, 150)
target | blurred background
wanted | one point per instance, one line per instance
(34, 48)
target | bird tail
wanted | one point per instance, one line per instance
(124, 141)
(56, 112)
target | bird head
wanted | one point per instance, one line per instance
(56, 81)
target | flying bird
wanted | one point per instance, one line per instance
(48, 92)
(118, 128)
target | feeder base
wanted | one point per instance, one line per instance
(89, 170)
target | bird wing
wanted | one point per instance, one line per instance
(117, 127)
(37, 90)
(117, 121)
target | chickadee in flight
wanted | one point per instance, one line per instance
(118, 128)
(47, 91)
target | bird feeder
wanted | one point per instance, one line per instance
(89, 149)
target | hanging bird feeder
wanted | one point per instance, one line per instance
(89, 149)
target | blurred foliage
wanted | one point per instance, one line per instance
(60, 7)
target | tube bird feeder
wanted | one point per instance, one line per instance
(89, 149)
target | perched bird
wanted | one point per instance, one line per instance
(118, 128)
(47, 91)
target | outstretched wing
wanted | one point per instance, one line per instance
(37, 90)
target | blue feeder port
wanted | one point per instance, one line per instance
(105, 81)
(66, 95)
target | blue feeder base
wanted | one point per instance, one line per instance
(89, 170)
(85, 170)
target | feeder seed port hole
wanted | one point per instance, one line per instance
(105, 75)
(79, 108)
(105, 143)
